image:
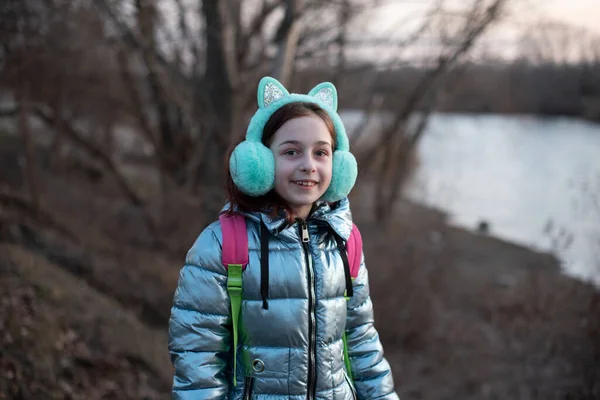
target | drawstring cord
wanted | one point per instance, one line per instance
(341, 245)
(264, 265)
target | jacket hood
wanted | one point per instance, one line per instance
(337, 215)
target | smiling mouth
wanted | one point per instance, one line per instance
(305, 183)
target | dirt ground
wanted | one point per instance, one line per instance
(85, 300)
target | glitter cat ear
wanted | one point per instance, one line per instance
(326, 93)
(269, 91)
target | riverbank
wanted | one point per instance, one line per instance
(466, 316)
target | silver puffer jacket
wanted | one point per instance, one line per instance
(294, 348)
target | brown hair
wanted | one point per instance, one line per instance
(272, 201)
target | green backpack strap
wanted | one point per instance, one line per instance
(234, 288)
(234, 257)
(347, 357)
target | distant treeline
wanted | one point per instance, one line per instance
(515, 88)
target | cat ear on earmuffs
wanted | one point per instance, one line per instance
(269, 91)
(327, 94)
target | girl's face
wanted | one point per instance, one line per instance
(303, 162)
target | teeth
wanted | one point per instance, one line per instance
(304, 183)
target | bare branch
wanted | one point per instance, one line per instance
(287, 37)
(185, 31)
(30, 170)
(397, 141)
(430, 80)
(129, 82)
(77, 138)
(399, 174)
(9, 112)
(11, 200)
(372, 101)
(255, 27)
(373, 104)
(227, 12)
(134, 41)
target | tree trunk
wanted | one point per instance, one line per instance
(219, 84)
(287, 38)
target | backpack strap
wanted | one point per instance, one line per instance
(354, 248)
(351, 253)
(234, 257)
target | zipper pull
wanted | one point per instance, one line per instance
(305, 238)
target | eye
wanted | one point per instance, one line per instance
(290, 152)
(322, 153)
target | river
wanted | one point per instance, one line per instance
(536, 181)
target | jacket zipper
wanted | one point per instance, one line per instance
(311, 308)
(248, 388)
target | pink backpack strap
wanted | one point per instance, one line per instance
(235, 240)
(354, 249)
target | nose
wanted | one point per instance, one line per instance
(308, 164)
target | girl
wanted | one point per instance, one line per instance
(289, 179)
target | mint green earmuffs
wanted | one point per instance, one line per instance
(252, 164)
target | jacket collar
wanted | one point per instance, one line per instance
(337, 215)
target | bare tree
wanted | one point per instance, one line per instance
(569, 58)
(559, 43)
(399, 139)
(183, 76)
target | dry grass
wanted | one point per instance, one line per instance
(456, 327)
(62, 340)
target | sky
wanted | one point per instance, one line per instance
(395, 17)
(584, 13)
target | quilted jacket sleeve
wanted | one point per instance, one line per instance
(370, 370)
(200, 323)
